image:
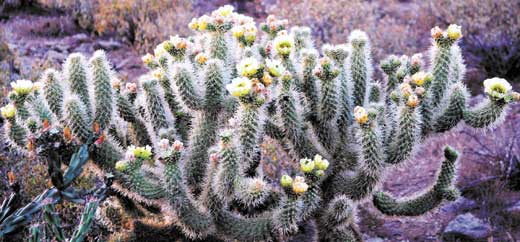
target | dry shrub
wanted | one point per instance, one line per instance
(141, 23)
(394, 27)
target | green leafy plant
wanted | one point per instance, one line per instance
(184, 142)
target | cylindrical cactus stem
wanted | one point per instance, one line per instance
(16, 133)
(336, 223)
(182, 119)
(289, 66)
(75, 118)
(36, 233)
(183, 77)
(227, 176)
(40, 108)
(205, 133)
(360, 184)
(87, 218)
(374, 92)
(219, 47)
(293, 126)
(20, 101)
(389, 67)
(360, 66)
(328, 103)
(128, 113)
(107, 153)
(286, 218)
(339, 54)
(196, 165)
(52, 223)
(214, 82)
(442, 190)
(440, 72)
(312, 197)
(53, 91)
(102, 78)
(457, 67)
(138, 182)
(408, 133)
(485, 113)
(249, 137)
(76, 74)
(232, 226)
(309, 85)
(453, 112)
(192, 222)
(154, 105)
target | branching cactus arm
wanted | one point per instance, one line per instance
(442, 190)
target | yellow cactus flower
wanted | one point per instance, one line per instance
(225, 11)
(22, 87)
(419, 78)
(248, 67)
(454, 31)
(147, 59)
(144, 153)
(360, 114)
(274, 67)
(239, 87)
(8, 111)
(238, 31)
(203, 21)
(193, 24)
(497, 87)
(283, 44)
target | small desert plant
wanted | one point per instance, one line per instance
(184, 143)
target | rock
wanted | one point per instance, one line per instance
(55, 56)
(462, 204)
(80, 38)
(375, 239)
(108, 45)
(84, 48)
(467, 227)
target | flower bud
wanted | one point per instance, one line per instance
(286, 181)
(306, 165)
(413, 101)
(321, 164)
(178, 145)
(121, 165)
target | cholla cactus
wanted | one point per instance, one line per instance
(193, 126)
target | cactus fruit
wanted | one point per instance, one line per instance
(195, 123)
